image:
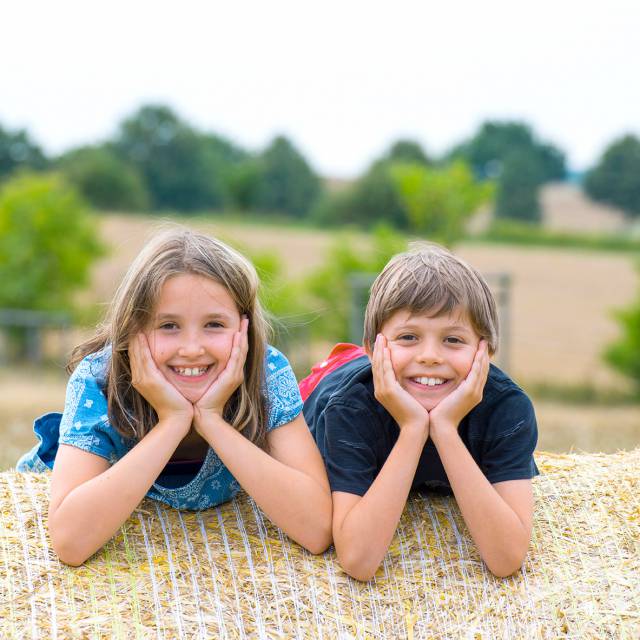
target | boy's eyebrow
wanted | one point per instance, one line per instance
(450, 327)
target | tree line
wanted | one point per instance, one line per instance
(156, 161)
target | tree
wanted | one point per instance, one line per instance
(510, 154)
(104, 179)
(183, 169)
(285, 181)
(371, 200)
(517, 193)
(407, 151)
(494, 144)
(616, 178)
(48, 241)
(18, 151)
(439, 201)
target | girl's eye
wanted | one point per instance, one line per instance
(167, 326)
(214, 324)
(406, 337)
(453, 340)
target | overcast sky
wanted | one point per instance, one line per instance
(342, 79)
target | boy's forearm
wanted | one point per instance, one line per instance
(500, 535)
(363, 537)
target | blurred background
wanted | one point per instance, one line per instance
(320, 139)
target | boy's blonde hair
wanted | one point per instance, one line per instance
(170, 253)
(429, 279)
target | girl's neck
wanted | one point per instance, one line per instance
(192, 447)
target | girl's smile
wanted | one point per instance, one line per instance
(191, 332)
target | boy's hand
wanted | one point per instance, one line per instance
(217, 395)
(149, 382)
(403, 407)
(454, 407)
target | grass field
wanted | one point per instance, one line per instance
(561, 320)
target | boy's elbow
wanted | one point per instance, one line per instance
(507, 565)
(357, 566)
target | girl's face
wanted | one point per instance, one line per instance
(191, 332)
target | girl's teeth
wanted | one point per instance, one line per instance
(430, 382)
(191, 371)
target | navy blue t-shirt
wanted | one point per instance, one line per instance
(356, 434)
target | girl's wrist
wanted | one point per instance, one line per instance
(207, 420)
(180, 422)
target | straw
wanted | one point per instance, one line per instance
(229, 573)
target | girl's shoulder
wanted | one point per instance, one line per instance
(94, 365)
(275, 361)
(282, 390)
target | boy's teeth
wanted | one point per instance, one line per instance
(191, 371)
(430, 382)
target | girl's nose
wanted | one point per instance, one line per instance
(191, 348)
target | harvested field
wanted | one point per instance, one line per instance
(228, 573)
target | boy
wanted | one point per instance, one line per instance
(421, 407)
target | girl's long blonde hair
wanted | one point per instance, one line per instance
(171, 253)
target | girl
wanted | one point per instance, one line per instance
(179, 398)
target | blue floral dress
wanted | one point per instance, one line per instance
(85, 424)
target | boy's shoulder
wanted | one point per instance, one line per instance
(504, 407)
(350, 383)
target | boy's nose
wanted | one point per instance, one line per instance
(430, 354)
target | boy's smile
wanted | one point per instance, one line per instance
(431, 355)
(191, 332)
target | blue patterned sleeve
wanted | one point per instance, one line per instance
(283, 394)
(85, 423)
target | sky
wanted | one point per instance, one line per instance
(342, 79)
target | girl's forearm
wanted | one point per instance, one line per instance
(294, 501)
(500, 535)
(90, 514)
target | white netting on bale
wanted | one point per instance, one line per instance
(229, 573)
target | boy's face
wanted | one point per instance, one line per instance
(431, 356)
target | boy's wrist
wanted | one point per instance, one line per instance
(441, 429)
(415, 429)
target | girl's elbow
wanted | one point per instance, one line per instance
(66, 547)
(67, 552)
(319, 542)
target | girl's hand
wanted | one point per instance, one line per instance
(452, 409)
(149, 381)
(221, 389)
(402, 406)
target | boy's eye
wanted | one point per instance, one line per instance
(406, 337)
(453, 340)
(214, 324)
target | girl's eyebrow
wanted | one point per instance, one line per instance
(175, 316)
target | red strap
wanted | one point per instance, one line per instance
(342, 353)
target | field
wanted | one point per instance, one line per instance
(560, 321)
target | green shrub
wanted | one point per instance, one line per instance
(48, 242)
(624, 354)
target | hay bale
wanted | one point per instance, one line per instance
(229, 573)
